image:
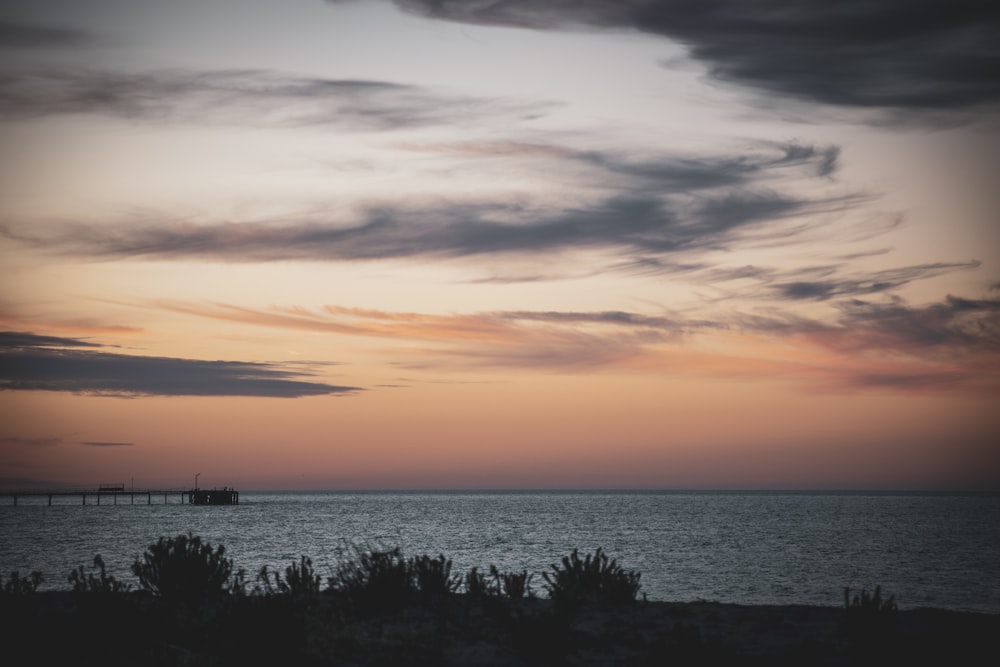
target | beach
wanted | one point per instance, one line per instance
(462, 630)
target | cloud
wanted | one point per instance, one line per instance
(871, 283)
(897, 54)
(15, 339)
(565, 340)
(951, 346)
(31, 442)
(44, 363)
(637, 206)
(675, 172)
(107, 444)
(957, 324)
(25, 36)
(245, 97)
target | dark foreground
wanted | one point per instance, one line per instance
(327, 629)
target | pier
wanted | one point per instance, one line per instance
(116, 492)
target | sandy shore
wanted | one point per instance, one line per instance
(135, 629)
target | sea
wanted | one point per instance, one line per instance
(760, 548)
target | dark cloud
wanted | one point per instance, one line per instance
(647, 206)
(872, 283)
(46, 367)
(14, 340)
(684, 173)
(91, 443)
(645, 224)
(612, 317)
(24, 36)
(670, 171)
(902, 54)
(244, 97)
(956, 323)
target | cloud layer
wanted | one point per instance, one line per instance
(952, 345)
(46, 363)
(902, 54)
(243, 97)
(632, 205)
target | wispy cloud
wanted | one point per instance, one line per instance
(45, 363)
(31, 442)
(830, 285)
(956, 324)
(98, 443)
(515, 339)
(900, 54)
(953, 345)
(636, 206)
(244, 97)
(15, 35)
(673, 171)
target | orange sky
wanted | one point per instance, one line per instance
(341, 245)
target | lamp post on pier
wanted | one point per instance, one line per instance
(196, 475)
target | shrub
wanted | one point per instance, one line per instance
(595, 578)
(870, 623)
(476, 584)
(515, 585)
(300, 580)
(432, 576)
(18, 585)
(866, 603)
(380, 577)
(96, 583)
(183, 569)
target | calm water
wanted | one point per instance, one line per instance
(927, 550)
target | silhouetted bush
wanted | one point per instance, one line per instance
(183, 569)
(476, 584)
(870, 623)
(101, 583)
(432, 577)
(18, 585)
(300, 580)
(595, 578)
(869, 604)
(515, 585)
(377, 577)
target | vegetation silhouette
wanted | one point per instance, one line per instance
(184, 570)
(379, 607)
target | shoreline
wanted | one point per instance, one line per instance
(459, 630)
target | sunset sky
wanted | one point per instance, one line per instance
(507, 244)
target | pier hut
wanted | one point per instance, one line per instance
(223, 496)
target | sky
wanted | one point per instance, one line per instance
(384, 244)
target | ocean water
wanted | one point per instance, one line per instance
(748, 548)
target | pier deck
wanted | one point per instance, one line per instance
(224, 496)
